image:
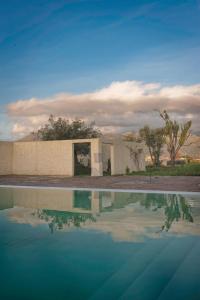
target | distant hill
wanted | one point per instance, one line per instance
(192, 148)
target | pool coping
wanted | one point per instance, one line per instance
(99, 189)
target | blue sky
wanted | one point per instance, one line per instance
(49, 47)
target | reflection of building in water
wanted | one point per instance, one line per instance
(122, 214)
(93, 202)
(58, 200)
(6, 198)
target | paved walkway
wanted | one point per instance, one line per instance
(164, 183)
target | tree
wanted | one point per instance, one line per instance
(154, 139)
(62, 129)
(175, 134)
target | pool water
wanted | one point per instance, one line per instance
(65, 244)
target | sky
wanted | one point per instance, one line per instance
(111, 61)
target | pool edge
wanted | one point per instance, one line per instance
(100, 189)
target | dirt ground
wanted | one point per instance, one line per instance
(164, 183)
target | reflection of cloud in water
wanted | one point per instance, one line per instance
(130, 223)
(134, 225)
(24, 216)
(126, 216)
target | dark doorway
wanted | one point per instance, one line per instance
(82, 159)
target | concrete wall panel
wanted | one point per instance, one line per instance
(106, 156)
(121, 158)
(42, 158)
(57, 157)
(52, 157)
(96, 158)
(6, 152)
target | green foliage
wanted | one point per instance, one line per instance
(154, 139)
(62, 129)
(176, 135)
(192, 169)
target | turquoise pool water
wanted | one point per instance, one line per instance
(62, 244)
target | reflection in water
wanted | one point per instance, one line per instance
(62, 209)
(58, 220)
(175, 207)
(106, 245)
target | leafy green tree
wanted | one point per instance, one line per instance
(154, 140)
(62, 129)
(176, 135)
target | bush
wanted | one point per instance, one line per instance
(192, 169)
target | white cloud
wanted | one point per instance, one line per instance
(18, 128)
(120, 106)
(180, 91)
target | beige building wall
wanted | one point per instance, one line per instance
(57, 157)
(46, 157)
(106, 155)
(121, 158)
(6, 153)
(43, 158)
(96, 158)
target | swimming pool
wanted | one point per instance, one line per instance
(72, 244)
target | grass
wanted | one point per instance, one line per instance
(192, 169)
